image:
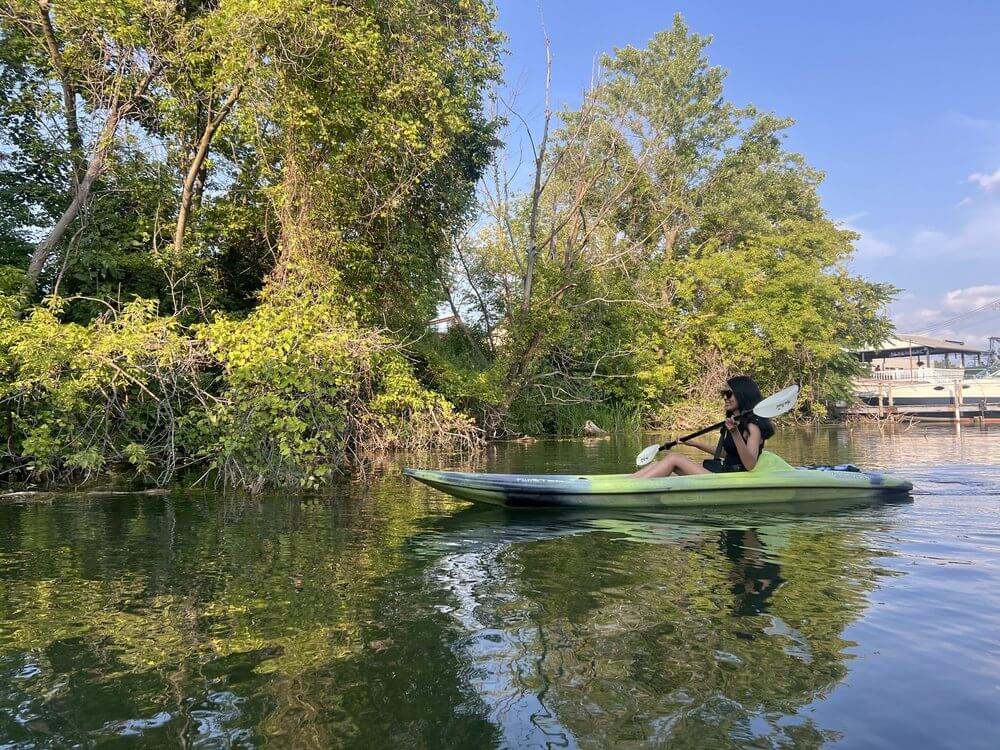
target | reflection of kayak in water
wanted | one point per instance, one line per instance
(772, 481)
(478, 526)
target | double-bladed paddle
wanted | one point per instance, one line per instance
(772, 406)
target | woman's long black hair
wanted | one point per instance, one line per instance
(747, 397)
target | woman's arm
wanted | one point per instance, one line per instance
(748, 448)
(699, 445)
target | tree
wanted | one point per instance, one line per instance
(663, 224)
(379, 138)
(109, 54)
(252, 172)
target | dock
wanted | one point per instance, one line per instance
(965, 411)
(957, 407)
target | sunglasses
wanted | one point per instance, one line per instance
(726, 393)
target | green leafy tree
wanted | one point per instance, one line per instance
(667, 229)
(380, 139)
(301, 165)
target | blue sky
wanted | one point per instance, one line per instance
(898, 102)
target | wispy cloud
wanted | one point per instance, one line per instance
(986, 181)
(867, 246)
(872, 247)
(965, 314)
(975, 123)
(851, 218)
(976, 238)
(971, 297)
(980, 126)
(916, 320)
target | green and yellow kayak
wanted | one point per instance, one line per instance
(771, 481)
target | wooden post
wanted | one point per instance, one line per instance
(958, 400)
(891, 404)
(880, 399)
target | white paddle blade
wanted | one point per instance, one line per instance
(647, 455)
(779, 403)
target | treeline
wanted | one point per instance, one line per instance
(225, 226)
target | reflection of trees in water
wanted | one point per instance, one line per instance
(703, 641)
(503, 648)
(316, 624)
(185, 620)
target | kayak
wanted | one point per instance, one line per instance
(771, 481)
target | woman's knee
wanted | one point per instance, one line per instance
(666, 466)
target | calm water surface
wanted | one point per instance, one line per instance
(386, 615)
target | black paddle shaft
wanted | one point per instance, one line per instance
(717, 425)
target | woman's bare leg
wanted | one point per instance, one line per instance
(674, 463)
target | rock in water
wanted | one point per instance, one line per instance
(592, 430)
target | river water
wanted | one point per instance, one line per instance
(383, 614)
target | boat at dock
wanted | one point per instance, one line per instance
(901, 377)
(944, 393)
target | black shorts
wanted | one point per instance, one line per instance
(717, 466)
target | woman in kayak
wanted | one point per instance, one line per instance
(741, 440)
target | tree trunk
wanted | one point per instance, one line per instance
(514, 382)
(196, 167)
(43, 250)
(538, 187)
(69, 97)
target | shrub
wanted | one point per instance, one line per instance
(285, 397)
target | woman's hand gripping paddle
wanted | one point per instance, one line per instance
(772, 406)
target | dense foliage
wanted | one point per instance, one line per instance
(227, 224)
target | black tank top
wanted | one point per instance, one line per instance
(730, 456)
